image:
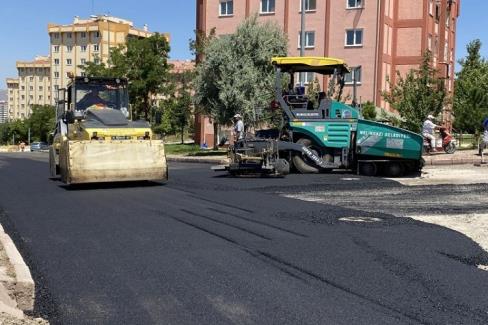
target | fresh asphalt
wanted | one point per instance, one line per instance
(209, 249)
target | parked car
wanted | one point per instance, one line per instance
(39, 146)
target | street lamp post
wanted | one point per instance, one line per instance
(302, 40)
(447, 109)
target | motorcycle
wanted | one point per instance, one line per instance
(447, 143)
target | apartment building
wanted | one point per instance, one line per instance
(32, 87)
(13, 98)
(86, 40)
(378, 37)
(3, 111)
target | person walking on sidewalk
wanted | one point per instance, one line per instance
(428, 129)
(484, 138)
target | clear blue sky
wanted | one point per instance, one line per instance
(24, 24)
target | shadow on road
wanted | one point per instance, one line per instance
(110, 185)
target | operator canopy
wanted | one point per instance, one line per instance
(320, 65)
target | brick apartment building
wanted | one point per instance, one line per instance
(379, 36)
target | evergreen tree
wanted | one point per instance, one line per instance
(471, 91)
(417, 94)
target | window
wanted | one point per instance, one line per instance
(354, 37)
(23, 96)
(96, 48)
(83, 35)
(431, 7)
(31, 78)
(429, 42)
(40, 88)
(56, 74)
(83, 48)
(68, 74)
(267, 6)
(68, 35)
(31, 88)
(354, 4)
(56, 35)
(308, 77)
(56, 87)
(83, 74)
(40, 97)
(69, 48)
(56, 48)
(68, 61)
(97, 61)
(310, 5)
(97, 34)
(31, 97)
(23, 87)
(83, 61)
(354, 74)
(309, 40)
(226, 7)
(56, 61)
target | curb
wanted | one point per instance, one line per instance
(448, 162)
(197, 160)
(24, 284)
(223, 161)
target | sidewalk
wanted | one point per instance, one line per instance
(460, 157)
(215, 160)
(17, 288)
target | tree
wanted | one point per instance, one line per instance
(420, 93)
(183, 101)
(313, 91)
(236, 75)
(471, 91)
(17, 129)
(41, 122)
(201, 41)
(144, 62)
(369, 111)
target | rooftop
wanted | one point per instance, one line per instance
(179, 66)
(39, 61)
(93, 20)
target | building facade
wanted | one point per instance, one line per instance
(378, 37)
(3, 111)
(32, 87)
(13, 97)
(86, 40)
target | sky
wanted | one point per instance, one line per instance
(23, 24)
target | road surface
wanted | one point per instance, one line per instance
(208, 249)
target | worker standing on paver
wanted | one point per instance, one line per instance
(238, 128)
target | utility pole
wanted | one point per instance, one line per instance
(28, 137)
(302, 41)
